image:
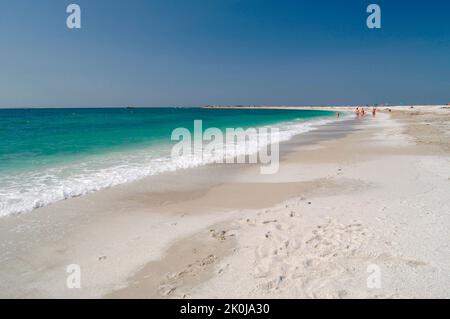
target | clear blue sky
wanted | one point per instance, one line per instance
(197, 52)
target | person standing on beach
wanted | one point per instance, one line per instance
(374, 111)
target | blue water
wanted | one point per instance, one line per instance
(48, 155)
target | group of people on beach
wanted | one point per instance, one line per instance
(360, 112)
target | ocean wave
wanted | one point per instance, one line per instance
(26, 191)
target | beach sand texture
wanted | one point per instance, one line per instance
(376, 194)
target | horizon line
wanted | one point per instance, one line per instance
(213, 105)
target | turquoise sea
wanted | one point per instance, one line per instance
(47, 155)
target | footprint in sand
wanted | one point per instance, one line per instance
(174, 280)
(308, 259)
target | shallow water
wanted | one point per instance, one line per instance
(47, 155)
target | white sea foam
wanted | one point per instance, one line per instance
(30, 190)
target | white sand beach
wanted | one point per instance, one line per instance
(350, 197)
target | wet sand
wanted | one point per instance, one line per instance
(349, 195)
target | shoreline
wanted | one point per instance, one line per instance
(333, 107)
(171, 199)
(33, 188)
(330, 183)
(295, 250)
